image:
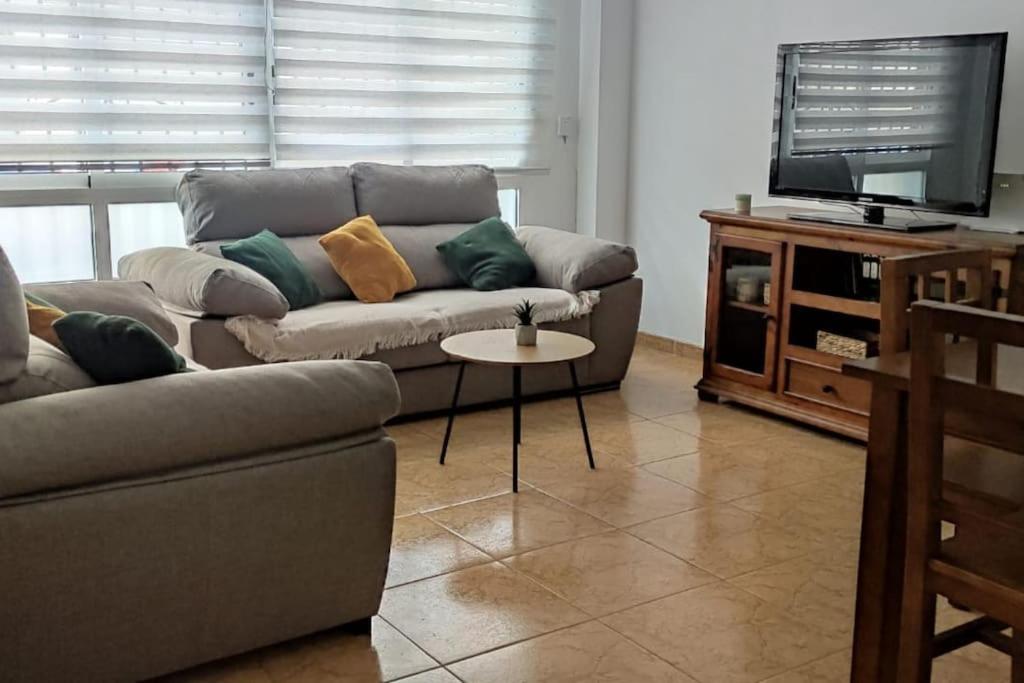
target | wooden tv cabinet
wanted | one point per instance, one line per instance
(761, 347)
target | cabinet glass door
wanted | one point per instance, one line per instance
(746, 321)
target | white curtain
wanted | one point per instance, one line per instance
(414, 81)
(118, 82)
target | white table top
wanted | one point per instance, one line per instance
(498, 347)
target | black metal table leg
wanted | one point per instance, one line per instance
(583, 417)
(451, 413)
(517, 380)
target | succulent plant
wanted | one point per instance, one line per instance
(524, 312)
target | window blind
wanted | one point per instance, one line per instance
(119, 80)
(887, 100)
(413, 81)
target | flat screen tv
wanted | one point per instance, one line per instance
(897, 122)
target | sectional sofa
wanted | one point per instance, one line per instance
(227, 317)
(150, 526)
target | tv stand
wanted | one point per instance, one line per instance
(789, 301)
(874, 217)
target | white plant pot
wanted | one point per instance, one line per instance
(526, 335)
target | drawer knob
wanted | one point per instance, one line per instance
(828, 389)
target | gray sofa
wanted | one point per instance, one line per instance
(417, 207)
(150, 526)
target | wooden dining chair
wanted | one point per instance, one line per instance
(955, 276)
(981, 568)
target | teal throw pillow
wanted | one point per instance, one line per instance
(488, 256)
(114, 348)
(268, 255)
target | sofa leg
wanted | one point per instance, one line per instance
(360, 627)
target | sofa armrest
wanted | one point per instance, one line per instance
(573, 262)
(201, 282)
(131, 299)
(151, 427)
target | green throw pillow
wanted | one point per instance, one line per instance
(114, 348)
(488, 256)
(268, 255)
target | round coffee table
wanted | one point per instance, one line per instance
(498, 347)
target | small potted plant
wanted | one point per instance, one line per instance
(526, 331)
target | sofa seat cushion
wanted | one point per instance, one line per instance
(430, 354)
(350, 329)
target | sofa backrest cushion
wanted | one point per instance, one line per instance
(417, 244)
(13, 323)
(424, 195)
(48, 370)
(222, 205)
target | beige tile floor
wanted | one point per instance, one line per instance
(712, 544)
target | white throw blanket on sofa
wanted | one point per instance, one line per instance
(351, 329)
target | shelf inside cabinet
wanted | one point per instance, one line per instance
(836, 304)
(751, 306)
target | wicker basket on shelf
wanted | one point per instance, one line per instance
(847, 347)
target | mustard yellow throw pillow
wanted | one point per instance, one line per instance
(41, 315)
(367, 261)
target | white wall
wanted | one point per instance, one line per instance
(700, 129)
(549, 197)
(606, 47)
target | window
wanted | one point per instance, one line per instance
(163, 85)
(121, 85)
(48, 243)
(134, 227)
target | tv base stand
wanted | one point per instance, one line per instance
(874, 217)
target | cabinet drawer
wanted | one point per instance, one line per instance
(824, 385)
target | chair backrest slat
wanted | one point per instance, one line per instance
(907, 277)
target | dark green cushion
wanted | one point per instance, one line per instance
(488, 256)
(114, 348)
(269, 256)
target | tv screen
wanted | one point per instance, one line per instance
(905, 122)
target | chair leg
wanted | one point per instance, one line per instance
(917, 621)
(1017, 658)
(917, 631)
